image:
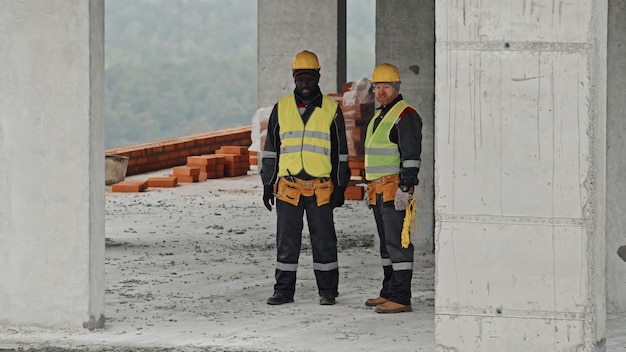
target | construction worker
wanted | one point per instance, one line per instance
(306, 156)
(393, 145)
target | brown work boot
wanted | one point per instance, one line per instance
(392, 307)
(372, 302)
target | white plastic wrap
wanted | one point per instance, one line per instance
(259, 128)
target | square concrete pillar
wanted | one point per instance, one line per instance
(288, 27)
(405, 37)
(616, 164)
(520, 175)
(52, 163)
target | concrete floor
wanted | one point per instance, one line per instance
(190, 268)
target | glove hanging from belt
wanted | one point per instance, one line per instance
(409, 225)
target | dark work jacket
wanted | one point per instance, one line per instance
(340, 172)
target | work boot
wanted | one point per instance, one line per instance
(373, 302)
(327, 301)
(392, 307)
(279, 298)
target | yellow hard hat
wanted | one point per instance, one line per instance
(385, 73)
(305, 60)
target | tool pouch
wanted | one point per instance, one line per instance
(371, 193)
(288, 191)
(323, 192)
(387, 185)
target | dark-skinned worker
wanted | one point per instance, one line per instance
(306, 156)
(393, 145)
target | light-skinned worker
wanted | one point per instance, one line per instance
(393, 145)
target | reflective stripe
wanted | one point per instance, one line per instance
(301, 134)
(382, 169)
(306, 147)
(290, 149)
(269, 155)
(411, 163)
(386, 262)
(317, 134)
(402, 266)
(381, 151)
(343, 157)
(292, 134)
(325, 267)
(286, 267)
(316, 149)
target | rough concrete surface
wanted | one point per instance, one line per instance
(190, 268)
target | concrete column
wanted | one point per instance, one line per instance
(520, 175)
(286, 27)
(52, 163)
(616, 164)
(405, 37)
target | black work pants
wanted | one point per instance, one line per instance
(397, 261)
(289, 224)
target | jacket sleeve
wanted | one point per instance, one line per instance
(409, 139)
(340, 172)
(270, 156)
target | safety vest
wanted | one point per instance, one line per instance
(382, 157)
(305, 147)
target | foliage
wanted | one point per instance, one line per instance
(180, 67)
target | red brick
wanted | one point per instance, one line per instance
(162, 181)
(129, 186)
(201, 160)
(231, 149)
(185, 171)
(232, 158)
(138, 152)
(187, 179)
(155, 150)
(355, 172)
(214, 174)
(354, 193)
(232, 172)
(356, 163)
(202, 168)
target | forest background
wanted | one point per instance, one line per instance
(180, 67)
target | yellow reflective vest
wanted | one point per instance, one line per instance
(382, 157)
(305, 146)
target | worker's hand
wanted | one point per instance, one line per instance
(268, 196)
(401, 200)
(337, 198)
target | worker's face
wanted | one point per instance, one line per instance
(306, 84)
(385, 93)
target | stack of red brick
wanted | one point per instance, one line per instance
(357, 105)
(228, 161)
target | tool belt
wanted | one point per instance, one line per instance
(290, 191)
(387, 185)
